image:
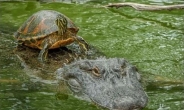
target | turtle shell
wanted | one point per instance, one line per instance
(41, 24)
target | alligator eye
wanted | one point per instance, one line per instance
(96, 71)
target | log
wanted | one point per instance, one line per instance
(142, 7)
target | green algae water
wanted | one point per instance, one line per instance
(152, 41)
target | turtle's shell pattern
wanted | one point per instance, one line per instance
(41, 24)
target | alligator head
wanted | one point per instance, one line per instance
(112, 83)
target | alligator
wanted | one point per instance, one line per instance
(112, 83)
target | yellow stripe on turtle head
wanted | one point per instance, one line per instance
(61, 22)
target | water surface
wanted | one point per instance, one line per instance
(152, 41)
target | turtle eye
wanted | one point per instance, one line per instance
(96, 72)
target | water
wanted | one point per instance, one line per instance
(152, 41)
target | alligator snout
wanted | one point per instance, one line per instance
(128, 103)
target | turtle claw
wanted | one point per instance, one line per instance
(41, 60)
(42, 57)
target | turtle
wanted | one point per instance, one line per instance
(48, 29)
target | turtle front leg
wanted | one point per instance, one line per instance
(82, 43)
(42, 57)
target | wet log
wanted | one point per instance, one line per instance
(142, 7)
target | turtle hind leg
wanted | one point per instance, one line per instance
(20, 43)
(19, 46)
(42, 57)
